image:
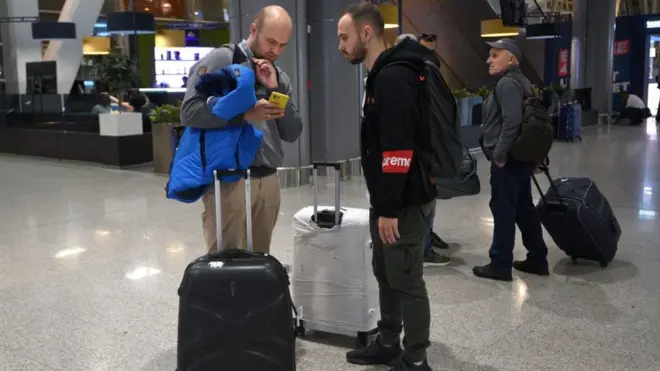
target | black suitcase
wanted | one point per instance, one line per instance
(235, 308)
(579, 219)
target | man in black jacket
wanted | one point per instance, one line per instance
(401, 194)
(433, 240)
(510, 180)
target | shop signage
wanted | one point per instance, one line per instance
(197, 26)
(619, 86)
(621, 47)
(563, 63)
(653, 24)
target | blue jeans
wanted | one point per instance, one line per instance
(511, 204)
(429, 241)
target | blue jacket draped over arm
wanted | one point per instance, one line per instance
(201, 151)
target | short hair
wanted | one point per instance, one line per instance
(367, 13)
(404, 36)
(267, 12)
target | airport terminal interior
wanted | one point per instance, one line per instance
(92, 253)
(92, 259)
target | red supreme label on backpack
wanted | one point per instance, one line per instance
(397, 162)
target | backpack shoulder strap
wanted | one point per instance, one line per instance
(238, 57)
(416, 68)
(526, 92)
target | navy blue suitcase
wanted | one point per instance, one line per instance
(569, 124)
(235, 309)
(579, 219)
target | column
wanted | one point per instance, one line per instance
(336, 87)
(293, 61)
(68, 53)
(578, 43)
(18, 46)
(593, 31)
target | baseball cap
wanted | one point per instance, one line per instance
(508, 45)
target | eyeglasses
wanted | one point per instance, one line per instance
(431, 38)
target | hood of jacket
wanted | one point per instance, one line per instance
(406, 51)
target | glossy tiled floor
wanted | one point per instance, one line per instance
(90, 260)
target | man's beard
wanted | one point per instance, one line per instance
(360, 54)
(255, 50)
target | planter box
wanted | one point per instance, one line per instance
(465, 106)
(78, 146)
(164, 138)
(120, 124)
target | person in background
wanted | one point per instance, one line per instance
(635, 110)
(104, 105)
(428, 40)
(269, 35)
(511, 191)
(401, 195)
(431, 257)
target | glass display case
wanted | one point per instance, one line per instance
(173, 64)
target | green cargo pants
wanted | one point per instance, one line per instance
(398, 268)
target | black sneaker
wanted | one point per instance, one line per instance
(540, 269)
(375, 354)
(492, 272)
(438, 242)
(404, 366)
(433, 258)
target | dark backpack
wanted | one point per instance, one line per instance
(536, 131)
(465, 184)
(444, 153)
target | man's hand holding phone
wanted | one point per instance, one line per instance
(263, 111)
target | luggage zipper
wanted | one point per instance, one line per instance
(202, 149)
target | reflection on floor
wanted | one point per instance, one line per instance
(90, 260)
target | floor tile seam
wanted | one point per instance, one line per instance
(631, 208)
(93, 322)
(144, 291)
(573, 336)
(68, 220)
(49, 224)
(23, 353)
(485, 346)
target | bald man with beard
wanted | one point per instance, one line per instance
(269, 36)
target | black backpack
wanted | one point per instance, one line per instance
(536, 130)
(444, 154)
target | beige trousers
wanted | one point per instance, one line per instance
(265, 209)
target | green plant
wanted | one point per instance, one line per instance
(166, 114)
(118, 71)
(560, 90)
(483, 92)
(461, 93)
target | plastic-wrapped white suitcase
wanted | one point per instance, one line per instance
(333, 284)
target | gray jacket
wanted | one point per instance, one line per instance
(502, 114)
(196, 113)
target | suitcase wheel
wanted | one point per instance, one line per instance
(604, 264)
(300, 330)
(574, 259)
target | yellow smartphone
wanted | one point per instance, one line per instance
(279, 99)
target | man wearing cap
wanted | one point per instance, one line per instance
(510, 180)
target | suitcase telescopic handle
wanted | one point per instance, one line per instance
(315, 170)
(217, 175)
(546, 171)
